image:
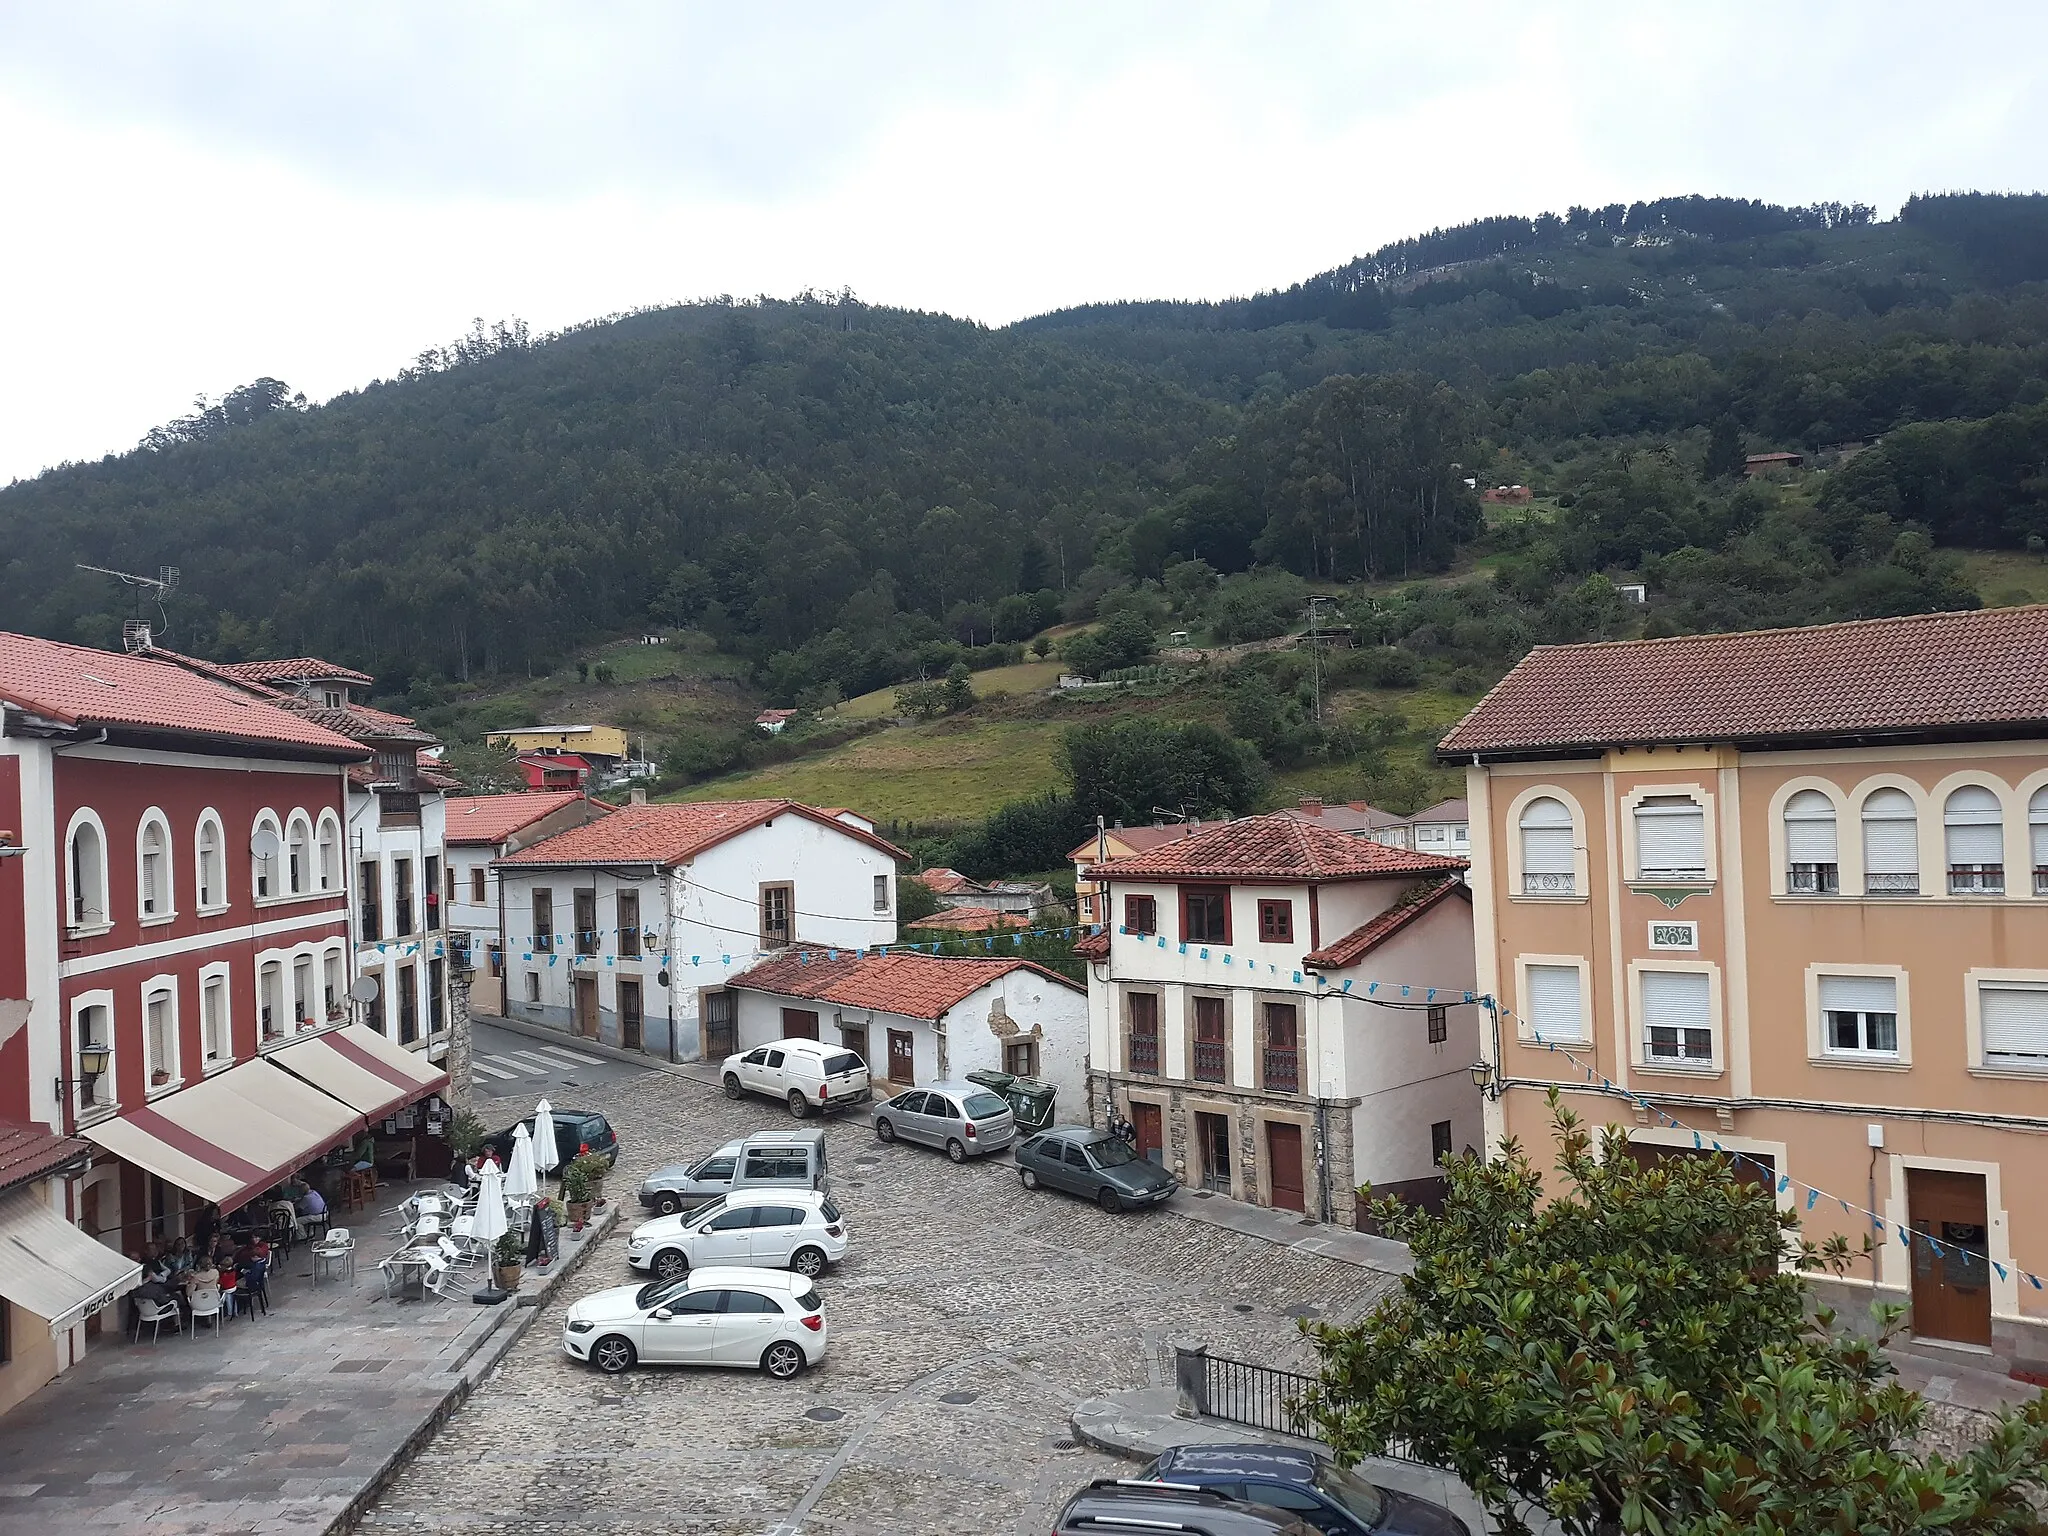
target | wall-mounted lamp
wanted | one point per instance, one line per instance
(92, 1066)
(1485, 1079)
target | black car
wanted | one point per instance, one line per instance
(573, 1128)
(1328, 1497)
(1112, 1504)
(1095, 1165)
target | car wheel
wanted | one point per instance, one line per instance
(733, 1090)
(668, 1205)
(884, 1131)
(956, 1152)
(670, 1265)
(782, 1360)
(612, 1354)
(798, 1104)
(1109, 1200)
(808, 1262)
(1027, 1178)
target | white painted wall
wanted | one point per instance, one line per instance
(384, 958)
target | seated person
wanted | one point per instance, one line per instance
(154, 1265)
(312, 1203)
(366, 1153)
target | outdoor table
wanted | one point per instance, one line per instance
(407, 1276)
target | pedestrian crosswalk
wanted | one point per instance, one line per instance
(486, 1067)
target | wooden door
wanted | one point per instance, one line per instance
(629, 1014)
(586, 1007)
(1283, 1164)
(799, 1024)
(1951, 1257)
(855, 1038)
(1151, 1132)
(721, 1026)
(901, 1057)
(1213, 1132)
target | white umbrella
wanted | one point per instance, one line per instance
(520, 1183)
(490, 1205)
(545, 1157)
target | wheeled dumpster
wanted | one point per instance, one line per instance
(1031, 1101)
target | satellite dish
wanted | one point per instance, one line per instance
(264, 845)
(363, 989)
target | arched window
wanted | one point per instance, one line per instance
(160, 1031)
(270, 999)
(153, 867)
(1891, 844)
(298, 866)
(266, 852)
(1973, 834)
(1548, 865)
(87, 859)
(2037, 834)
(210, 863)
(330, 852)
(1812, 861)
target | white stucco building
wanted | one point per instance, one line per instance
(481, 829)
(921, 1018)
(628, 929)
(1286, 1011)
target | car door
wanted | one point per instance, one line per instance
(750, 1067)
(1079, 1172)
(942, 1119)
(771, 1075)
(683, 1332)
(747, 1326)
(906, 1113)
(1303, 1505)
(714, 1173)
(772, 1238)
(726, 1238)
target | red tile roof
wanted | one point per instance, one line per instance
(1094, 947)
(1274, 847)
(669, 834)
(914, 986)
(493, 818)
(1343, 817)
(1943, 675)
(93, 690)
(970, 919)
(1137, 839)
(30, 1152)
(1360, 942)
(943, 881)
(1449, 811)
(293, 669)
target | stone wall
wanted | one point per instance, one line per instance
(460, 1044)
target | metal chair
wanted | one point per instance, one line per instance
(440, 1274)
(252, 1289)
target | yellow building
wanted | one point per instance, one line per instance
(1788, 893)
(595, 741)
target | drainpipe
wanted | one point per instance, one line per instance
(668, 950)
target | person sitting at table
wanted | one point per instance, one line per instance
(205, 1228)
(312, 1204)
(366, 1153)
(180, 1257)
(154, 1265)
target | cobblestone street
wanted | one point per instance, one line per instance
(967, 1320)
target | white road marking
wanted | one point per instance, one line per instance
(484, 1065)
(576, 1056)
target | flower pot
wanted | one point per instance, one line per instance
(579, 1214)
(159, 1077)
(506, 1276)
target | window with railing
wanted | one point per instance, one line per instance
(1211, 1049)
(1812, 855)
(2037, 839)
(1976, 879)
(402, 921)
(370, 900)
(1891, 845)
(1677, 1017)
(1281, 1048)
(1144, 1033)
(1973, 836)
(1813, 880)
(1549, 861)
(629, 923)
(586, 922)
(408, 1006)
(437, 987)
(543, 921)
(430, 881)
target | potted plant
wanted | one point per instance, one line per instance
(505, 1256)
(159, 1077)
(576, 1191)
(593, 1169)
(466, 1134)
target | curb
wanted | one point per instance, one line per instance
(517, 1312)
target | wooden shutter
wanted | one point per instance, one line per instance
(1671, 837)
(1859, 994)
(1553, 1002)
(1675, 1000)
(1891, 835)
(2015, 1021)
(1810, 829)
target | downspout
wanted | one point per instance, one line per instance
(668, 956)
(504, 944)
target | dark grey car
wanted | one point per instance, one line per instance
(1095, 1165)
(1333, 1499)
(1128, 1505)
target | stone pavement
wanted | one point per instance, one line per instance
(281, 1423)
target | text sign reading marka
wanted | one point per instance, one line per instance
(1674, 935)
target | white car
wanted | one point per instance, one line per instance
(805, 1074)
(797, 1229)
(767, 1319)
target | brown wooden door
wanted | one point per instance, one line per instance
(629, 1014)
(1151, 1132)
(721, 1026)
(1283, 1163)
(855, 1038)
(1213, 1132)
(901, 1057)
(586, 1007)
(799, 1024)
(1951, 1257)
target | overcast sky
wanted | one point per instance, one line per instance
(198, 195)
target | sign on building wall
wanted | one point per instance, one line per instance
(1673, 935)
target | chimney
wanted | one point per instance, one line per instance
(1311, 805)
(637, 795)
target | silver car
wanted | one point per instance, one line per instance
(964, 1118)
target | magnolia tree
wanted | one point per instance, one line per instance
(1638, 1353)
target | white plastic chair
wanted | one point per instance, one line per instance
(440, 1275)
(157, 1313)
(457, 1255)
(334, 1253)
(400, 1267)
(207, 1302)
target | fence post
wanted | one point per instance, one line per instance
(1190, 1380)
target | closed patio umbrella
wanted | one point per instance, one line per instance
(520, 1182)
(546, 1158)
(490, 1205)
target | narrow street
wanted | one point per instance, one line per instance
(506, 1064)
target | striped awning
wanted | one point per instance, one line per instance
(232, 1136)
(50, 1268)
(360, 1067)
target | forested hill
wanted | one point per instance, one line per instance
(838, 492)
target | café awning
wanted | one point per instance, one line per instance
(363, 1069)
(231, 1136)
(50, 1268)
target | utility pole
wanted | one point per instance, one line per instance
(1315, 651)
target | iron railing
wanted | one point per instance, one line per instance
(1891, 883)
(1257, 1396)
(1283, 1071)
(2041, 882)
(1145, 1053)
(1549, 883)
(1208, 1061)
(1976, 879)
(1813, 879)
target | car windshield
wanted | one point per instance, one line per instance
(1352, 1493)
(700, 1170)
(848, 1062)
(656, 1292)
(981, 1105)
(1111, 1152)
(705, 1212)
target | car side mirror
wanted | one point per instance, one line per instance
(662, 1314)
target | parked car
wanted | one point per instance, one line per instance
(573, 1128)
(1131, 1505)
(799, 1229)
(789, 1159)
(1331, 1498)
(682, 1185)
(1085, 1161)
(805, 1074)
(964, 1118)
(727, 1315)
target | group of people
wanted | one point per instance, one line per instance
(190, 1269)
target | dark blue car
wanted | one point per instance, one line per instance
(1315, 1491)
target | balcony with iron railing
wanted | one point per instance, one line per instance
(1976, 879)
(1209, 1061)
(1894, 883)
(1813, 880)
(1283, 1070)
(1535, 883)
(2041, 881)
(1145, 1053)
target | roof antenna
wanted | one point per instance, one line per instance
(138, 634)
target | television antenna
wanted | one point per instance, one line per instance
(138, 634)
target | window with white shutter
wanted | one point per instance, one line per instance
(1548, 865)
(1891, 845)
(1555, 1011)
(2014, 1017)
(1671, 839)
(1678, 1020)
(1860, 1015)
(1812, 858)
(1973, 832)
(2037, 837)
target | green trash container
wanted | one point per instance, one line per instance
(994, 1081)
(1030, 1100)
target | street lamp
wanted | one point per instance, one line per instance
(92, 1065)
(1485, 1079)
